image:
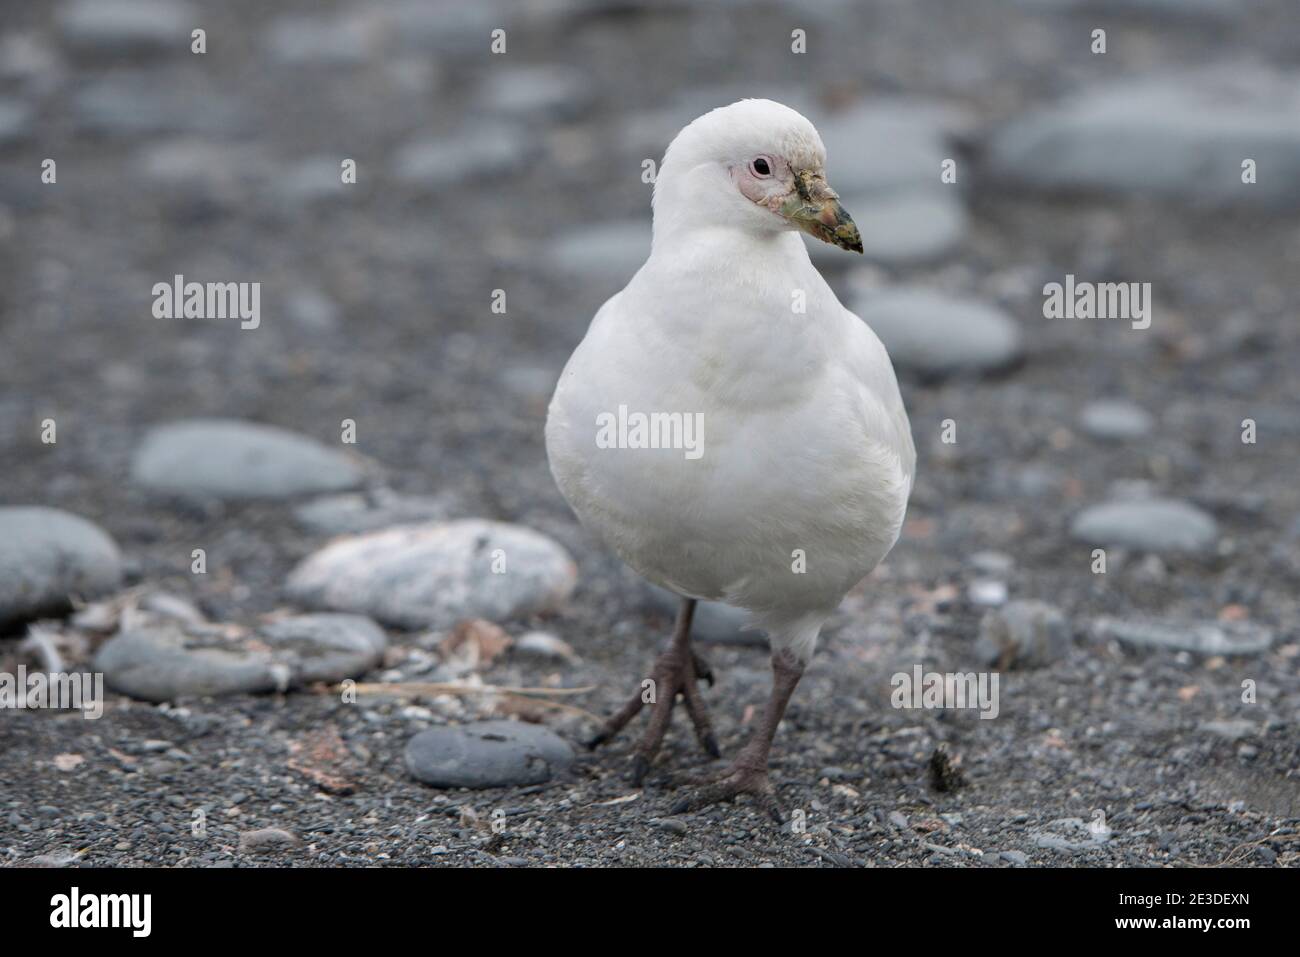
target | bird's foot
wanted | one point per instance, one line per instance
(676, 672)
(738, 779)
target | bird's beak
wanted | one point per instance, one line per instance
(815, 208)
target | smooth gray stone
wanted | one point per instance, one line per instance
(992, 563)
(543, 646)
(1180, 136)
(165, 661)
(935, 335)
(487, 754)
(128, 26)
(1156, 524)
(235, 460)
(47, 556)
(326, 647)
(1053, 842)
(1115, 419)
(1234, 729)
(1023, 633)
(1069, 834)
(1200, 637)
(434, 575)
(267, 840)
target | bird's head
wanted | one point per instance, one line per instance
(754, 165)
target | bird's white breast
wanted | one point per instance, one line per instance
(802, 476)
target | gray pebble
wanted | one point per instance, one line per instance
(169, 660)
(431, 576)
(936, 335)
(267, 840)
(235, 460)
(1115, 419)
(1158, 525)
(47, 556)
(1201, 637)
(487, 754)
(1179, 135)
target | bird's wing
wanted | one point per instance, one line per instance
(884, 419)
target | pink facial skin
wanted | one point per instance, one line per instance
(770, 189)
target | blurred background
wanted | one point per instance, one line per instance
(522, 172)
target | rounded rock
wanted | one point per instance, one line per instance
(434, 575)
(167, 661)
(1115, 419)
(936, 335)
(1157, 525)
(487, 754)
(47, 556)
(1178, 135)
(170, 660)
(234, 460)
(326, 647)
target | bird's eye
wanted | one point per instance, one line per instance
(761, 166)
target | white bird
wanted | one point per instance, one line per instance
(726, 426)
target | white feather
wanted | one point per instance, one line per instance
(806, 445)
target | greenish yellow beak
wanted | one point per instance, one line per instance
(815, 208)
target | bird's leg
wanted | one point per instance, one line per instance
(747, 774)
(675, 672)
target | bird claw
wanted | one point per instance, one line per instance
(732, 783)
(674, 676)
